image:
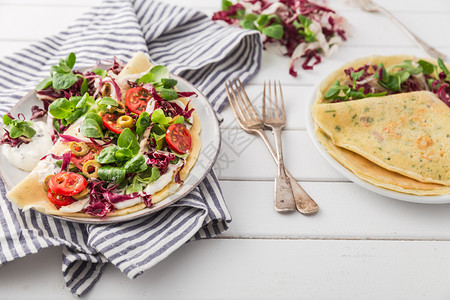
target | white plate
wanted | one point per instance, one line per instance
(210, 137)
(310, 127)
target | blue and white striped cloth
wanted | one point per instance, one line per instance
(190, 45)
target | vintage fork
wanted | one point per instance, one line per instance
(370, 6)
(250, 122)
(274, 116)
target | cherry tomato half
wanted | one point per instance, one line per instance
(136, 99)
(110, 122)
(67, 183)
(178, 138)
(59, 200)
(79, 161)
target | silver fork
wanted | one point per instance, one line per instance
(275, 118)
(250, 122)
(370, 6)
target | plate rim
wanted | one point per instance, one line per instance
(310, 128)
(176, 197)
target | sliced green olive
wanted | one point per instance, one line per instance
(90, 168)
(120, 108)
(46, 180)
(125, 121)
(106, 89)
(79, 149)
(81, 194)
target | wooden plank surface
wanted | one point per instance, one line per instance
(347, 211)
(257, 269)
(359, 246)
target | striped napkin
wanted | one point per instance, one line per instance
(190, 45)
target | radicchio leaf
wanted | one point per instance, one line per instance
(37, 112)
(160, 160)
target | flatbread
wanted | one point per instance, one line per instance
(30, 193)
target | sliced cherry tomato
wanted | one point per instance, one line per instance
(178, 138)
(79, 161)
(59, 200)
(136, 99)
(110, 122)
(67, 183)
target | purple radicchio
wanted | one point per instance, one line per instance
(70, 138)
(13, 142)
(177, 178)
(54, 156)
(50, 94)
(297, 39)
(160, 160)
(363, 80)
(170, 108)
(66, 160)
(37, 112)
(116, 65)
(147, 199)
(443, 93)
(228, 15)
(102, 199)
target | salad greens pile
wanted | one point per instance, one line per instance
(124, 142)
(116, 128)
(407, 76)
(303, 28)
(121, 159)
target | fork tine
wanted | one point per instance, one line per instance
(270, 111)
(253, 113)
(233, 101)
(283, 111)
(248, 114)
(264, 101)
(275, 100)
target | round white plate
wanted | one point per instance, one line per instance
(209, 135)
(310, 127)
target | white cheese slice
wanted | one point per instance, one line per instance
(162, 181)
(77, 206)
(128, 203)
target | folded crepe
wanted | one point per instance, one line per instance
(400, 142)
(30, 192)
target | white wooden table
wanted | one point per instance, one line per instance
(359, 246)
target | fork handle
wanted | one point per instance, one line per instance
(284, 198)
(422, 44)
(304, 203)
